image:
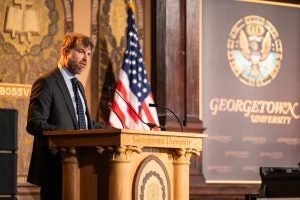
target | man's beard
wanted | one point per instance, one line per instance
(73, 67)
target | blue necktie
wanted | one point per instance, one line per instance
(79, 106)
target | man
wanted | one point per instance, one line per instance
(55, 105)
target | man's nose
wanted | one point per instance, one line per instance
(84, 57)
(87, 56)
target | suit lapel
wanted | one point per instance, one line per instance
(66, 94)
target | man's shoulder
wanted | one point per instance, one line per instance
(48, 78)
(52, 74)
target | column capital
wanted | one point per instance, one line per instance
(183, 155)
(68, 154)
(120, 153)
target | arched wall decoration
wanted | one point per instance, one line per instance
(94, 20)
(111, 42)
(68, 6)
(94, 74)
(26, 52)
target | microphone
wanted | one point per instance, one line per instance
(108, 88)
(150, 125)
(109, 105)
(158, 106)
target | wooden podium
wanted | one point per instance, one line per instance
(122, 164)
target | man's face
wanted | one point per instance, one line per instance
(77, 59)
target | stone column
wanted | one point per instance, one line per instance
(118, 178)
(120, 183)
(181, 172)
(71, 178)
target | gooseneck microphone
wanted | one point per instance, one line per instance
(158, 106)
(150, 125)
(109, 105)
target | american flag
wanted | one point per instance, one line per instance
(132, 93)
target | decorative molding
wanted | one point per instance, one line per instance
(124, 153)
(184, 155)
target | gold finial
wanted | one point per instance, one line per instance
(131, 5)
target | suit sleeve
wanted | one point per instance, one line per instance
(39, 108)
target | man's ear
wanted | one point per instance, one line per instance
(65, 52)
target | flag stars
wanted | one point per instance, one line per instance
(133, 53)
(133, 44)
(134, 64)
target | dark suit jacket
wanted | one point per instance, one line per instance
(50, 108)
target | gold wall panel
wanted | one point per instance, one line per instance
(30, 37)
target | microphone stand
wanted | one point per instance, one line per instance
(150, 125)
(158, 106)
(109, 105)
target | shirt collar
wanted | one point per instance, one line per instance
(66, 74)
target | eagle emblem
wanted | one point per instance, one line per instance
(254, 51)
